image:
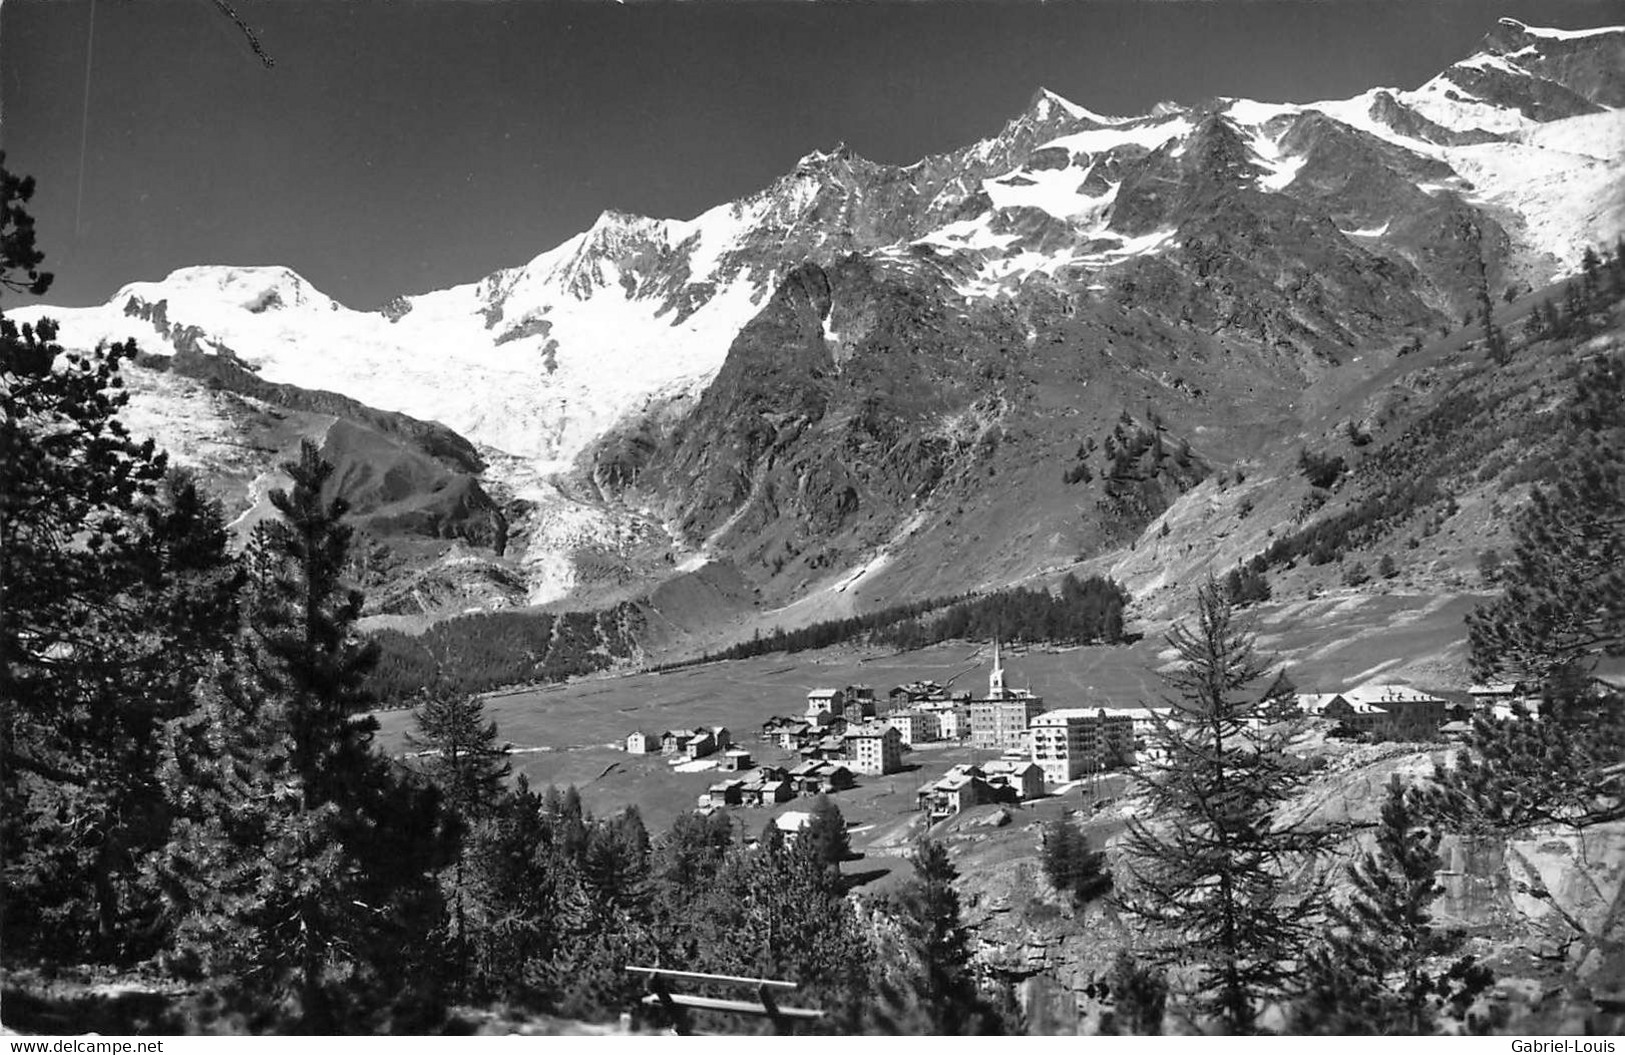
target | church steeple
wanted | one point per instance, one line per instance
(995, 681)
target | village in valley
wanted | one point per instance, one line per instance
(1007, 747)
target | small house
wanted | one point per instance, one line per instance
(726, 793)
(826, 701)
(641, 743)
(1021, 779)
(698, 745)
(735, 759)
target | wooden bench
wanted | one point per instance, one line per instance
(675, 1005)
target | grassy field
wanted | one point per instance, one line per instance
(572, 733)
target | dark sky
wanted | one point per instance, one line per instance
(404, 145)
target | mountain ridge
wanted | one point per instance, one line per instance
(1068, 272)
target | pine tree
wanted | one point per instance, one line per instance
(1209, 863)
(1137, 998)
(1561, 610)
(824, 836)
(930, 987)
(465, 762)
(1075, 870)
(303, 867)
(77, 745)
(511, 904)
(1374, 973)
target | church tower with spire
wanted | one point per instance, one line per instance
(995, 680)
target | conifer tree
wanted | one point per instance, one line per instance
(1072, 867)
(463, 759)
(1561, 610)
(1375, 973)
(824, 836)
(303, 868)
(929, 987)
(511, 903)
(460, 752)
(1209, 862)
(76, 749)
(1137, 998)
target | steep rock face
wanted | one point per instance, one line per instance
(1591, 64)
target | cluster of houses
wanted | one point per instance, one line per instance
(974, 784)
(843, 732)
(771, 785)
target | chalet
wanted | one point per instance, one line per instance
(698, 745)
(721, 737)
(1069, 742)
(794, 736)
(735, 759)
(779, 722)
(858, 711)
(914, 726)
(916, 692)
(767, 793)
(826, 701)
(672, 740)
(875, 748)
(725, 793)
(1016, 779)
(826, 748)
(815, 777)
(641, 743)
(959, 789)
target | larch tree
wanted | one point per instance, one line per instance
(1211, 855)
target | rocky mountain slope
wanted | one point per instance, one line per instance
(867, 382)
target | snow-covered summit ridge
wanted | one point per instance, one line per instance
(548, 353)
(1559, 34)
(254, 289)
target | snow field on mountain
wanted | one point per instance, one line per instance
(1560, 201)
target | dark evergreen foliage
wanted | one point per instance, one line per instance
(1072, 867)
(303, 868)
(1321, 470)
(1136, 996)
(927, 986)
(491, 650)
(1210, 866)
(1562, 609)
(1375, 972)
(1246, 585)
